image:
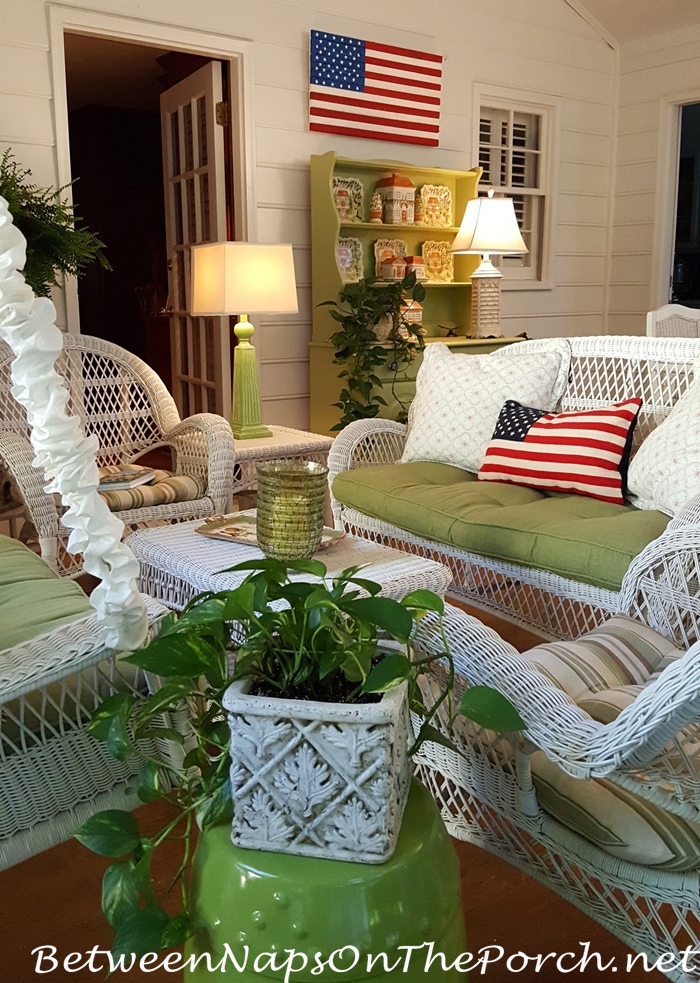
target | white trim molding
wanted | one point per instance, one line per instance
(237, 51)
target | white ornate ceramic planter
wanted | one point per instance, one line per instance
(318, 779)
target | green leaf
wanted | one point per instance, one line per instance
(196, 758)
(424, 600)
(184, 654)
(142, 872)
(314, 567)
(160, 733)
(120, 895)
(429, 733)
(168, 697)
(387, 674)
(489, 708)
(118, 738)
(202, 613)
(177, 931)
(331, 659)
(103, 716)
(240, 604)
(419, 292)
(140, 932)
(112, 833)
(383, 612)
(215, 806)
(150, 783)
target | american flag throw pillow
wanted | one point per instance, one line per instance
(585, 453)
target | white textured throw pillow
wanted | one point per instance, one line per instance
(665, 472)
(458, 397)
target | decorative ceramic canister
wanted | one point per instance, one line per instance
(398, 196)
(416, 264)
(412, 312)
(375, 208)
(393, 268)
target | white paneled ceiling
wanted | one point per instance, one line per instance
(627, 19)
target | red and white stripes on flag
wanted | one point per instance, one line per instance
(585, 452)
(372, 90)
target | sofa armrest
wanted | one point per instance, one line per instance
(662, 584)
(362, 444)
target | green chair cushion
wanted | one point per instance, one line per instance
(33, 599)
(574, 536)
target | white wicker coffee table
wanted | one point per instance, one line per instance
(284, 443)
(177, 563)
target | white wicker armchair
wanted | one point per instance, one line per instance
(486, 790)
(125, 405)
(603, 370)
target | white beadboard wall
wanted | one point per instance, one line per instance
(654, 71)
(542, 48)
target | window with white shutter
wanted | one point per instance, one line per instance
(512, 149)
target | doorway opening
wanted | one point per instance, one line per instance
(685, 280)
(123, 190)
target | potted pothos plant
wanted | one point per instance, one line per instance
(299, 692)
(360, 309)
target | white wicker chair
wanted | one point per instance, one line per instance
(603, 370)
(486, 792)
(125, 404)
(53, 775)
(674, 321)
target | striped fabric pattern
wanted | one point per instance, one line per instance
(616, 820)
(165, 489)
(621, 652)
(585, 453)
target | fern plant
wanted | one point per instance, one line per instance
(56, 244)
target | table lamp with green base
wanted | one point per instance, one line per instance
(233, 277)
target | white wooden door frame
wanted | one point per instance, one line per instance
(237, 51)
(668, 153)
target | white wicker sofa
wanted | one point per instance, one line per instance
(603, 370)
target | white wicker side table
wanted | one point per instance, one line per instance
(177, 563)
(284, 442)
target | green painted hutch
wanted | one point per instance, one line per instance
(444, 302)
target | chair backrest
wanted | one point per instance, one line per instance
(674, 321)
(116, 395)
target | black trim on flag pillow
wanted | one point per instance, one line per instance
(584, 453)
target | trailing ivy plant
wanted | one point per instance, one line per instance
(315, 640)
(56, 243)
(360, 308)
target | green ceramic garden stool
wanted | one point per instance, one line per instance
(273, 902)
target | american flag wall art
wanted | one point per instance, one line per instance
(378, 91)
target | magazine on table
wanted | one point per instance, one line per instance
(125, 478)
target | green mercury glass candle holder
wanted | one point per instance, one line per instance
(291, 499)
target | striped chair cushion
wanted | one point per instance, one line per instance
(165, 489)
(621, 652)
(617, 821)
(604, 672)
(585, 453)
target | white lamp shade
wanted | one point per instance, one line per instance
(243, 278)
(489, 226)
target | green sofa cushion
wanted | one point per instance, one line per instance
(33, 599)
(574, 536)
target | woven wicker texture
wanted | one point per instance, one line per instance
(486, 793)
(674, 321)
(604, 370)
(296, 445)
(52, 774)
(125, 405)
(177, 563)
